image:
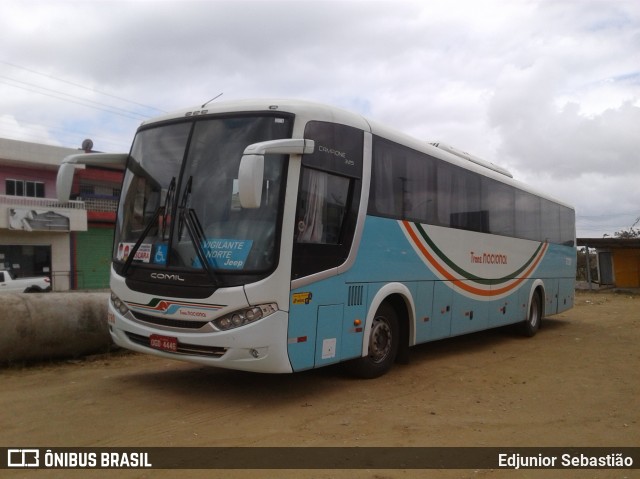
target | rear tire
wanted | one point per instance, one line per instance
(383, 345)
(530, 326)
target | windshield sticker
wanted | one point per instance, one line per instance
(160, 255)
(143, 254)
(224, 253)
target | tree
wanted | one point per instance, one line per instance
(626, 234)
(630, 233)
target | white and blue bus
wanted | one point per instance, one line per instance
(279, 236)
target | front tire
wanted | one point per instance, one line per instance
(383, 345)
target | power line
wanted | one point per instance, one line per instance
(109, 108)
(78, 85)
(30, 87)
(607, 215)
(18, 130)
(44, 139)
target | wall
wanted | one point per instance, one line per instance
(626, 265)
(93, 257)
(45, 176)
(60, 252)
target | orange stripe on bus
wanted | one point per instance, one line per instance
(461, 284)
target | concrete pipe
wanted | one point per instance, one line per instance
(52, 325)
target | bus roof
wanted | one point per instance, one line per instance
(307, 111)
(303, 109)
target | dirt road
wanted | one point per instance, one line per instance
(577, 383)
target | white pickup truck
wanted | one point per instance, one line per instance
(9, 283)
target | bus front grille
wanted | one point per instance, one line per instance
(173, 323)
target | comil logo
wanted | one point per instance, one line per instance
(23, 458)
(167, 276)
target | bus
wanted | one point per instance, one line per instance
(279, 236)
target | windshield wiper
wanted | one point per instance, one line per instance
(196, 234)
(159, 210)
(183, 204)
(189, 218)
(168, 200)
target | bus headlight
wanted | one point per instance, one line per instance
(119, 304)
(244, 316)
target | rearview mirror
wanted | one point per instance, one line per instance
(250, 178)
(64, 180)
(251, 171)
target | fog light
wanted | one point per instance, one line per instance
(254, 353)
(119, 304)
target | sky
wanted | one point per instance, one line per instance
(549, 89)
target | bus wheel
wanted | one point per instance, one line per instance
(383, 345)
(530, 326)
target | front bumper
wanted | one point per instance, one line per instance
(260, 346)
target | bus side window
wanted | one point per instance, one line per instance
(322, 206)
(328, 198)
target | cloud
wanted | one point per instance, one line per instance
(538, 137)
(36, 133)
(550, 89)
(571, 106)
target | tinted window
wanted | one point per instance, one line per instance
(528, 217)
(551, 221)
(338, 148)
(407, 184)
(498, 200)
(567, 226)
(322, 206)
(328, 198)
(403, 183)
(458, 199)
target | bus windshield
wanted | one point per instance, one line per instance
(180, 206)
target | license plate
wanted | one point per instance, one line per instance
(165, 343)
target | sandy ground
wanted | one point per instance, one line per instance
(577, 383)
